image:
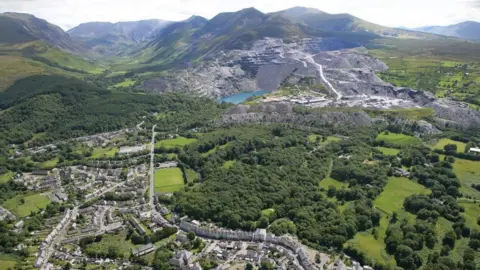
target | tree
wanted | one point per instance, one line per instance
(449, 239)
(22, 200)
(191, 236)
(263, 222)
(449, 148)
(249, 266)
(332, 190)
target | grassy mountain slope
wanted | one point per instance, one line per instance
(17, 28)
(116, 38)
(345, 23)
(35, 58)
(466, 30)
(226, 31)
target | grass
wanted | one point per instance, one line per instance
(395, 192)
(313, 138)
(114, 240)
(325, 183)
(14, 68)
(4, 178)
(172, 143)
(49, 164)
(106, 152)
(389, 151)
(7, 261)
(168, 180)
(228, 164)
(398, 139)
(442, 142)
(32, 203)
(192, 176)
(468, 172)
(411, 114)
(373, 248)
(471, 214)
(126, 83)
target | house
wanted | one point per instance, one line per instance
(19, 224)
(40, 172)
(143, 250)
(474, 150)
(182, 238)
(180, 259)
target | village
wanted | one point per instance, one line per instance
(105, 199)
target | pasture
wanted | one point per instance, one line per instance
(395, 192)
(106, 152)
(176, 142)
(373, 248)
(398, 139)
(468, 172)
(168, 180)
(442, 142)
(31, 203)
(4, 178)
(389, 151)
(325, 183)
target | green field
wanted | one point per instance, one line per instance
(468, 172)
(107, 152)
(472, 213)
(325, 183)
(313, 138)
(32, 203)
(373, 248)
(7, 261)
(398, 139)
(4, 178)
(49, 164)
(442, 142)
(126, 83)
(114, 240)
(192, 176)
(389, 151)
(168, 180)
(172, 143)
(395, 192)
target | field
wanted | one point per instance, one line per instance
(113, 240)
(7, 261)
(389, 151)
(32, 203)
(268, 212)
(325, 183)
(106, 152)
(373, 248)
(395, 192)
(49, 164)
(442, 142)
(168, 180)
(126, 83)
(5, 177)
(472, 213)
(313, 138)
(468, 172)
(398, 139)
(172, 143)
(191, 175)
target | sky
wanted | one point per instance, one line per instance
(407, 13)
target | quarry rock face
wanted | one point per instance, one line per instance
(347, 72)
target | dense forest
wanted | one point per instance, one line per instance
(268, 177)
(43, 109)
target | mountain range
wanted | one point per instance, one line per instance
(465, 30)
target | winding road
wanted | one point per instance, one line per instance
(322, 76)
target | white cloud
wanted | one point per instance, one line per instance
(410, 13)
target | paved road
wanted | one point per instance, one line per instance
(59, 236)
(152, 169)
(322, 76)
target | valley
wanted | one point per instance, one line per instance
(295, 139)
